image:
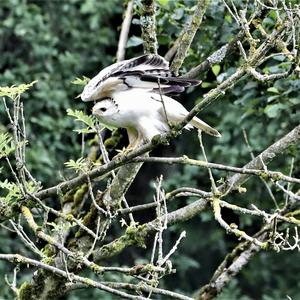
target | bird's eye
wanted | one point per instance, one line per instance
(103, 109)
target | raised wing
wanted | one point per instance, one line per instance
(149, 72)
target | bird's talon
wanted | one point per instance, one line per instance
(123, 152)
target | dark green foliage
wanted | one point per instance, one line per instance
(54, 42)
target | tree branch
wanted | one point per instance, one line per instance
(230, 267)
(148, 25)
(203, 164)
(215, 58)
(19, 259)
(188, 36)
(125, 31)
(265, 157)
(135, 287)
(189, 211)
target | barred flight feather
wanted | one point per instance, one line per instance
(149, 72)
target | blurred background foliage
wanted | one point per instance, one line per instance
(56, 41)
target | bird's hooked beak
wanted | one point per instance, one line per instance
(94, 110)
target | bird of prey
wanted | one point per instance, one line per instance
(133, 94)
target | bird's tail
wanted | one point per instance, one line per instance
(196, 122)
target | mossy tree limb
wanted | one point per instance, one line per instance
(191, 210)
(148, 26)
(188, 36)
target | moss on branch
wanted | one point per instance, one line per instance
(188, 36)
(134, 235)
(148, 25)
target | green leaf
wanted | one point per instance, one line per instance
(13, 91)
(273, 90)
(228, 19)
(294, 100)
(134, 41)
(163, 2)
(109, 127)
(250, 85)
(85, 130)
(279, 57)
(6, 145)
(272, 110)
(80, 116)
(216, 69)
(81, 81)
(13, 190)
(178, 13)
(80, 165)
(206, 84)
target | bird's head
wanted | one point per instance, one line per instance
(104, 108)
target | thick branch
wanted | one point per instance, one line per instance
(215, 58)
(19, 259)
(230, 267)
(148, 25)
(188, 36)
(172, 51)
(193, 209)
(265, 157)
(122, 182)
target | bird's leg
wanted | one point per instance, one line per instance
(138, 141)
(134, 141)
(133, 137)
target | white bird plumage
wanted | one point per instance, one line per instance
(132, 94)
(148, 72)
(144, 116)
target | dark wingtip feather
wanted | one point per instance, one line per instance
(137, 61)
(174, 89)
(147, 59)
(194, 82)
(122, 74)
(156, 60)
(171, 80)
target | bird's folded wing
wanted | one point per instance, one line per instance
(150, 72)
(175, 112)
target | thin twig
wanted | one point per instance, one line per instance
(125, 31)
